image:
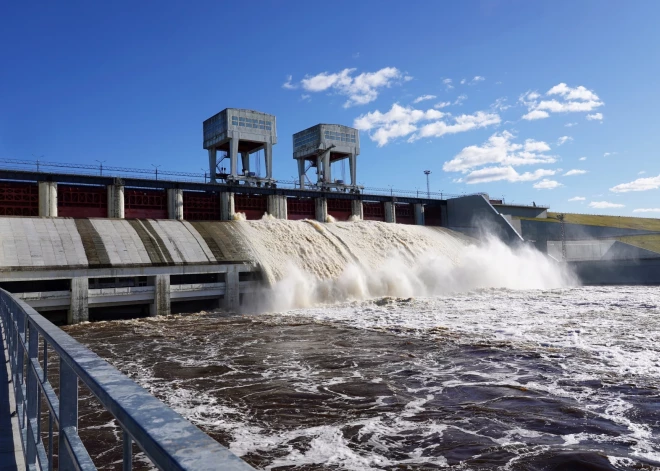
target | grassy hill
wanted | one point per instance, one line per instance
(624, 222)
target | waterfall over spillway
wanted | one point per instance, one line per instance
(306, 262)
(325, 250)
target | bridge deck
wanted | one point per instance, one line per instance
(11, 454)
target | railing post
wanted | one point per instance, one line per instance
(128, 451)
(68, 412)
(32, 397)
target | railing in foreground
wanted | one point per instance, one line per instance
(170, 442)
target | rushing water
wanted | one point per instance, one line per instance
(372, 350)
(495, 379)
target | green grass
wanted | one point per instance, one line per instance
(624, 222)
(645, 241)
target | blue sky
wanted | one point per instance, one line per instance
(530, 101)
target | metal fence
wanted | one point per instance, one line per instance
(167, 175)
(168, 440)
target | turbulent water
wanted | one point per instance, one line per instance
(370, 356)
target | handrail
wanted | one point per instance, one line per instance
(166, 175)
(168, 440)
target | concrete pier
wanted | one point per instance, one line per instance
(175, 204)
(227, 210)
(232, 289)
(48, 199)
(321, 209)
(79, 306)
(419, 214)
(161, 305)
(277, 206)
(390, 212)
(357, 209)
(116, 208)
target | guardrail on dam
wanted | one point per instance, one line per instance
(29, 193)
(167, 439)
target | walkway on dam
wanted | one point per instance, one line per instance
(11, 454)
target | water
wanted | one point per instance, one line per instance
(370, 356)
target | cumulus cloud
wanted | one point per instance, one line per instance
(605, 205)
(546, 184)
(582, 158)
(595, 117)
(478, 78)
(563, 140)
(646, 210)
(577, 198)
(641, 184)
(463, 81)
(493, 174)
(442, 104)
(424, 98)
(501, 150)
(561, 99)
(402, 121)
(360, 89)
(575, 172)
(448, 85)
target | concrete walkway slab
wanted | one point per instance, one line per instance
(11, 453)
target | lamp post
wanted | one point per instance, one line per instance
(100, 165)
(428, 188)
(156, 167)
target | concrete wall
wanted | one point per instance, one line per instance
(541, 231)
(47, 243)
(472, 214)
(603, 272)
(522, 211)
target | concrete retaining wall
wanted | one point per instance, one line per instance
(474, 214)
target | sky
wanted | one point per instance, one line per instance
(551, 102)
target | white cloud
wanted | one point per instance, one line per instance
(536, 114)
(570, 125)
(641, 184)
(448, 85)
(424, 98)
(646, 210)
(595, 117)
(641, 172)
(582, 158)
(575, 172)
(463, 81)
(288, 85)
(577, 198)
(460, 99)
(462, 123)
(500, 104)
(499, 149)
(442, 104)
(408, 78)
(359, 89)
(605, 205)
(478, 78)
(493, 174)
(402, 121)
(546, 184)
(570, 100)
(563, 140)
(305, 97)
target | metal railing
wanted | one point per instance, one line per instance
(167, 175)
(166, 438)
